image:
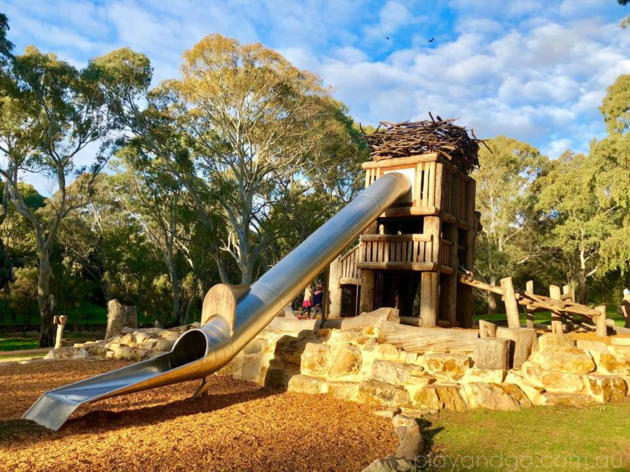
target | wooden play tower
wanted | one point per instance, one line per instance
(409, 257)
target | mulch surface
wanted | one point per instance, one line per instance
(238, 426)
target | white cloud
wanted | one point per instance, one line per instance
(533, 70)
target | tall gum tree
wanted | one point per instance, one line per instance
(505, 197)
(51, 112)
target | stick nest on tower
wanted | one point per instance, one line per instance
(391, 140)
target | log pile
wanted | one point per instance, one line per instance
(391, 140)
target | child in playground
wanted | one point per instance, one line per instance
(308, 301)
(625, 306)
(318, 298)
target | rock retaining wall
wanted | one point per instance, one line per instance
(351, 364)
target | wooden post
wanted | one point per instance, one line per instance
(464, 292)
(566, 295)
(487, 329)
(60, 321)
(492, 353)
(525, 342)
(600, 321)
(448, 292)
(511, 304)
(366, 302)
(529, 288)
(429, 295)
(333, 308)
(556, 318)
(430, 281)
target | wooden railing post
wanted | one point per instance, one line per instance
(60, 321)
(511, 304)
(600, 321)
(556, 317)
(529, 288)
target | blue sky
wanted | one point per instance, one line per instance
(535, 70)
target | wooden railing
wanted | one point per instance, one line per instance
(404, 251)
(348, 262)
(445, 252)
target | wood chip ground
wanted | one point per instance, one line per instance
(238, 427)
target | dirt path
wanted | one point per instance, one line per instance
(237, 427)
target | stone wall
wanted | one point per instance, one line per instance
(351, 364)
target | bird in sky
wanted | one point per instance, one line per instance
(387, 37)
(431, 40)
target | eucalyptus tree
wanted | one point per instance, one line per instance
(506, 197)
(51, 112)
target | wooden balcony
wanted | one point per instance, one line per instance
(350, 272)
(396, 252)
(439, 188)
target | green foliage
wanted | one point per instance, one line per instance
(616, 105)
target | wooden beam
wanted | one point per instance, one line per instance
(556, 318)
(511, 304)
(529, 288)
(487, 329)
(416, 339)
(400, 161)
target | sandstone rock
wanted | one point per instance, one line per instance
(306, 384)
(390, 464)
(127, 340)
(255, 346)
(66, 352)
(163, 345)
(564, 359)
(344, 336)
(95, 349)
(253, 368)
(149, 343)
(343, 390)
(590, 345)
(490, 396)
(124, 353)
(483, 375)
(620, 340)
(518, 394)
(565, 399)
(607, 363)
(289, 350)
(278, 377)
(387, 352)
(119, 317)
(395, 373)
(346, 362)
(450, 397)
(452, 366)
(140, 337)
(315, 359)
(379, 393)
(553, 380)
(169, 335)
(425, 398)
(410, 437)
(533, 392)
(605, 388)
(552, 341)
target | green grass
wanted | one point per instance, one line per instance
(539, 438)
(544, 317)
(16, 344)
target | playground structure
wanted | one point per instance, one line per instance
(416, 245)
(231, 316)
(416, 225)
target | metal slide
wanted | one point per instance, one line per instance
(199, 352)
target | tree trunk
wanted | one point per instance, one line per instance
(490, 297)
(583, 286)
(45, 300)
